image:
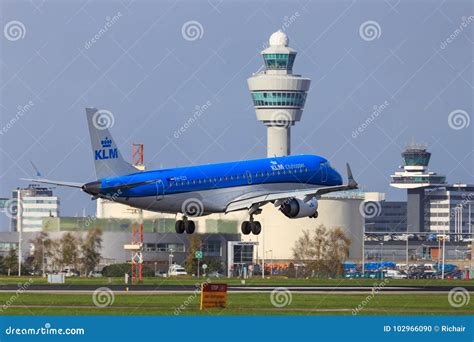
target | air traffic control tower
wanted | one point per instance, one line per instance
(278, 95)
(416, 178)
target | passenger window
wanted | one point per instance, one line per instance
(220, 179)
(231, 177)
(215, 180)
(194, 181)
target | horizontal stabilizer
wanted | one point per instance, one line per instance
(59, 183)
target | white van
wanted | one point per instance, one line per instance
(177, 270)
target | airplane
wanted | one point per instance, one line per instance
(292, 183)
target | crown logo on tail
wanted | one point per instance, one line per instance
(106, 142)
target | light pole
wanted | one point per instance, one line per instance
(19, 226)
(42, 258)
(263, 255)
(444, 247)
(271, 260)
(170, 261)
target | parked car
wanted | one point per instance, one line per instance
(394, 274)
(215, 274)
(95, 274)
(69, 272)
(162, 274)
(177, 270)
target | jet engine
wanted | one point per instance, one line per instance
(297, 208)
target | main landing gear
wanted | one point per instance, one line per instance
(185, 225)
(251, 226)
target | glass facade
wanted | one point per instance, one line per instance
(279, 99)
(416, 157)
(279, 60)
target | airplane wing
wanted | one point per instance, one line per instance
(60, 183)
(257, 200)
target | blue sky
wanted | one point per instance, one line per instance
(152, 74)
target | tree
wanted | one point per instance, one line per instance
(90, 249)
(195, 244)
(11, 262)
(42, 250)
(69, 250)
(323, 251)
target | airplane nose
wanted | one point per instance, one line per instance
(92, 188)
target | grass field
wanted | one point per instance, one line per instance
(234, 281)
(238, 304)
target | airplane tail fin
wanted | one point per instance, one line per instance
(107, 158)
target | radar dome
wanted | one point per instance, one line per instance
(278, 38)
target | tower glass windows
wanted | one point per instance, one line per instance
(279, 99)
(279, 60)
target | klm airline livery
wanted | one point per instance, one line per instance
(292, 183)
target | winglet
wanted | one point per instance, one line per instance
(351, 181)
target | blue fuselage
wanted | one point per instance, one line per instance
(302, 169)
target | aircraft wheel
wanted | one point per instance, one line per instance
(189, 226)
(179, 226)
(256, 227)
(315, 215)
(246, 228)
